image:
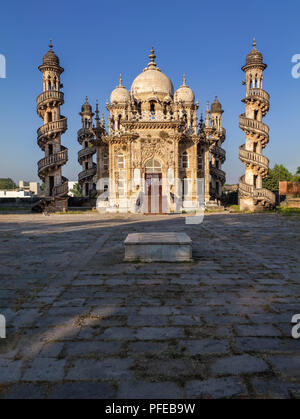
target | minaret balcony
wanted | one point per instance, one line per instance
(250, 157)
(249, 125)
(219, 153)
(50, 96)
(217, 173)
(53, 160)
(83, 134)
(62, 189)
(87, 173)
(55, 127)
(259, 93)
(86, 152)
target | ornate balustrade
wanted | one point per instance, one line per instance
(252, 157)
(58, 159)
(52, 127)
(247, 124)
(50, 95)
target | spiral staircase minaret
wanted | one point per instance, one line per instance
(85, 155)
(49, 136)
(252, 195)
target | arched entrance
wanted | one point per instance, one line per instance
(153, 185)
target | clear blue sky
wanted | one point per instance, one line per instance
(97, 40)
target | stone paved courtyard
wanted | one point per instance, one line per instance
(82, 323)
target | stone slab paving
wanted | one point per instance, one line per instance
(82, 323)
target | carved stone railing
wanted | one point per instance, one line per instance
(265, 194)
(87, 173)
(252, 157)
(84, 132)
(61, 190)
(244, 187)
(247, 124)
(50, 95)
(86, 152)
(52, 128)
(218, 173)
(56, 159)
(219, 152)
(259, 194)
(259, 93)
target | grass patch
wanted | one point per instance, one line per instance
(286, 211)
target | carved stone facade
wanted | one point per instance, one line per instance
(49, 136)
(252, 195)
(154, 138)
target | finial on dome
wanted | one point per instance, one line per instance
(254, 42)
(120, 81)
(184, 80)
(152, 57)
(86, 99)
(50, 44)
(97, 115)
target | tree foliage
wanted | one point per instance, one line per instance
(279, 174)
(77, 190)
(7, 184)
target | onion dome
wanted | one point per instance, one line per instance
(86, 107)
(184, 93)
(51, 58)
(152, 80)
(120, 94)
(216, 106)
(254, 58)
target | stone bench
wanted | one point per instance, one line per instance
(158, 247)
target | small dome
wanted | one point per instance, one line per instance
(216, 106)
(120, 94)
(184, 93)
(86, 107)
(255, 57)
(51, 58)
(152, 82)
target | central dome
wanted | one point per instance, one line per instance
(152, 82)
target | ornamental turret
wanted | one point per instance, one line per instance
(252, 195)
(85, 155)
(49, 135)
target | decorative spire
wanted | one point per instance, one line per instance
(207, 115)
(120, 81)
(86, 99)
(152, 57)
(254, 42)
(50, 45)
(97, 119)
(184, 80)
(103, 121)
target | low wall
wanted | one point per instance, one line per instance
(17, 202)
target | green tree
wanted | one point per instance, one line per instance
(277, 174)
(7, 184)
(77, 190)
(296, 177)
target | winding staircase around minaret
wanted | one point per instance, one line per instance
(85, 155)
(252, 195)
(49, 136)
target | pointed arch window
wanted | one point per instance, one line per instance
(121, 161)
(105, 161)
(184, 160)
